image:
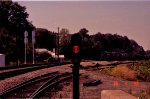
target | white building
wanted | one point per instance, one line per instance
(2, 60)
(61, 57)
(42, 50)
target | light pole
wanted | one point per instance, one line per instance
(33, 42)
(25, 43)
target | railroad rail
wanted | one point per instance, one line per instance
(36, 86)
(111, 65)
(13, 72)
(30, 65)
(20, 66)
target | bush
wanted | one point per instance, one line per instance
(124, 72)
(107, 71)
(145, 94)
(143, 70)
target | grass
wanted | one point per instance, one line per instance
(124, 72)
(140, 71)
(143, 70)
(145, 94)
(106, 71)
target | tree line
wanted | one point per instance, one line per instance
(14, 22)
(97, 46)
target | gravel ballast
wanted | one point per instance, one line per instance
(10, 82)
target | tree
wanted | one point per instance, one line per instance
(84, 33)
(13, 19)
(63, 35)
(86, 43)
(64, 40)
(7, 45)
(45, 39)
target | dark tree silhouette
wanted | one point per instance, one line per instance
(13, 23)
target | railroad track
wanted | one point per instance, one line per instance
(20, 66)
(13, 72)
(37, 86)
(111, 65)
(29, 65)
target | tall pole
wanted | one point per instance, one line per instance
(25, 57)
(33, 54)
(25, 43)
(33, 42)
(55, 44)
(76, 90)
(58, 44)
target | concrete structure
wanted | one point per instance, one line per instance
(2, 60)
(116, 94)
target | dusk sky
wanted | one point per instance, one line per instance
(126, 18)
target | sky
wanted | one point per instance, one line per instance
(126, 18)
(80, 0)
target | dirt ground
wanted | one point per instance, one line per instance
(91, 92)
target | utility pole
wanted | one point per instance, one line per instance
(58, 44)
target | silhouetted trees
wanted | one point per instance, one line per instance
(115, 45)
(104, 46)
(64, 40)
(45, 39)
(13, 23)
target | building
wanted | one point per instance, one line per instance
(2, 60)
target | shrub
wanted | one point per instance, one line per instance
(144, 94)
(143, 70)
(124, 72)
(107, 71)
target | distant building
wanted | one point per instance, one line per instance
(43, 50)
(61, 57)
(5, 0)
(2, 60)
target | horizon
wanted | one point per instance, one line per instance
(129, 19)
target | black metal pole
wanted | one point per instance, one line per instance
(58, 43)
(55, 43)
(76, 94)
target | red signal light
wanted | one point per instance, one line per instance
(76, 49)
